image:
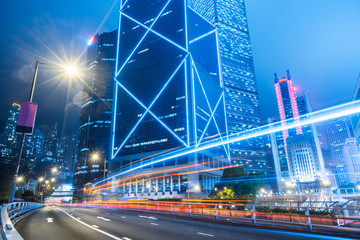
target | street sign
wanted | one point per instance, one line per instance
(26, 118)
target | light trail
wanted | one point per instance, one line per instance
(307, 119)
(144, 174)
(162, 176)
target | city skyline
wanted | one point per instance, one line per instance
(263, 51)
(180, 119)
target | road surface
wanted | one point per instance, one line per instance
(69, 223)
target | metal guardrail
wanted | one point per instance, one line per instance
(10, 212)
(253, 213)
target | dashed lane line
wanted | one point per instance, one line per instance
(206, 234)
(95, 226)
(154, 224)
(89, 226)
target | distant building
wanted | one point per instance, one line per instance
(304, 162)
(351, 153)
(298, 144)
(95, 114)
(51, 144)
(338, 131)
(10, 139)
(355, 118)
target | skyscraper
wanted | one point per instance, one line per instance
(168, 94)
(95, 113)
(237, 69)
(51, 144)
(338, 131)
(10, 137)
(300, 147)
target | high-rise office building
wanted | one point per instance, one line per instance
(10, 139)
(242, 103)
(300, 147)
(51, 144)
(168, 95)
(355, 118)
(351, 153)
(337, 133)
(96, 109)
(10, 127)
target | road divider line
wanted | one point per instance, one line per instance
(102, 218)
(95, 226)
(206, 234)
(123, 217)
(126, 238)
(89, 226)
(151, 217)
(154, 224)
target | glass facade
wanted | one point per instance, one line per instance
(168, 91)
(96, 109)
(242, 103)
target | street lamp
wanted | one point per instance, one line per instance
(54, 170)
(96, 157)
(69, 70)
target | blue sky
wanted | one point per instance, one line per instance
(318, 41)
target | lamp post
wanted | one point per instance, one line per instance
(95, 157)
(70, 70)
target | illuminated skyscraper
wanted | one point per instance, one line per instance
(340, 135)
(300, 147)
(96, 110)
(10, 137)
(241, 96)
(168, 93)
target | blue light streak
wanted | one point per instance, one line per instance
(307, 119)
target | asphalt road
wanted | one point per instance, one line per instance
(69, 223)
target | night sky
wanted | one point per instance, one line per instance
(318, 41)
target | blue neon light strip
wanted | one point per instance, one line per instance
(148, 109)
(202, 36)
(158, 34)
(142, 38)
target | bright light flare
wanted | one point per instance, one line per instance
(71, 69)
(326, 182)
(91, 40)
(95, 156)
(20, 179)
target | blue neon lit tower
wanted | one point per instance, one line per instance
(168, 84)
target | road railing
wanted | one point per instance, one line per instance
(243, 211)
(9, 213)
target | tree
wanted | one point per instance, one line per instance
(239, 183)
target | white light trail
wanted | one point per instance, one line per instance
(307, 119)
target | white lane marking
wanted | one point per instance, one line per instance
(123, 217)
(79, 218)
(126, 238)
(87, 225)
(206, 234)
(154, 224)
(151, 217)
(90, 210)
(95, 226)
(105, 219)
(49, 220)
